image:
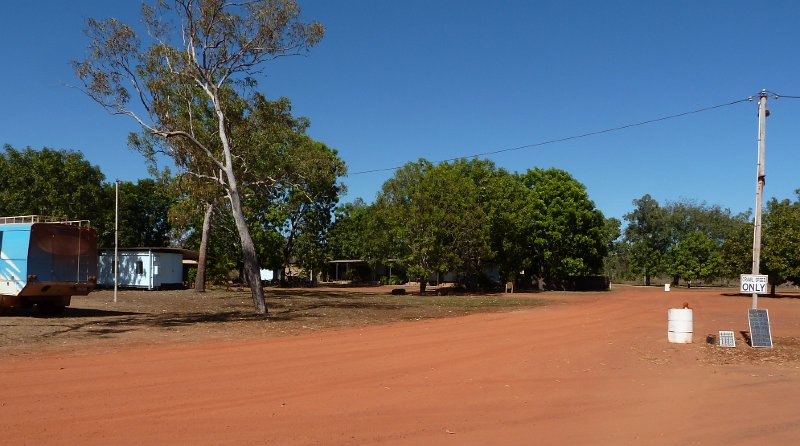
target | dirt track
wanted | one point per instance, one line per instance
(595, 369)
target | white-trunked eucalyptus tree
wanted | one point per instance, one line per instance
(188, 82)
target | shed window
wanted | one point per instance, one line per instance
(139, 267)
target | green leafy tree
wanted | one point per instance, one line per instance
(346, 234)
(781, 242)
(695, 257)
(433, 221)
(687, 216)
(143, 212)
(57, 183)
(198, 67)
(647, 235)
(737, 251)
(615, 262)
(307, 201)
(288, 203)
(509, 213)
(569, 236)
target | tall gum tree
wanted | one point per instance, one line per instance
(200, 59)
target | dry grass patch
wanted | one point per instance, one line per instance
(174, 316)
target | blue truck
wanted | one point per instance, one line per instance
(44, 262)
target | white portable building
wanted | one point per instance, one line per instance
(146, 268)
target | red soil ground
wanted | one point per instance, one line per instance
(592, 369)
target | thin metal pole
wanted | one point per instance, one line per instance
(80, 236)
(116, 239)
(762, 136)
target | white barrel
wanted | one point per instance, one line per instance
(679, 325)
(666, 287)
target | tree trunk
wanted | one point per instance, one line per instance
(647, 279)
(422, 284)
(200, 278)
(541, 282)
(772, 289)
(251, 268)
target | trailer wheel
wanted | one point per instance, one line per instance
(50, 309)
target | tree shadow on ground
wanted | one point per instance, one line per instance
(92, 312)
(130, 322)
(283, 311)
(180, 319)
(104, 323)
(69, 312)
(314, 294)
(89, 328)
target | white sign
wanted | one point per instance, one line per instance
(753, 283)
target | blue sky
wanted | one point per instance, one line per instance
(395, 81)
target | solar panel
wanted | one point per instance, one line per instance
(726, 339)
(760, 335)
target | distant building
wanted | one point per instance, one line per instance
(146, 268)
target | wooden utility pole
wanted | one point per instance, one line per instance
(762, 135)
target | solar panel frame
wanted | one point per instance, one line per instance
(727, 339)
(760, 334)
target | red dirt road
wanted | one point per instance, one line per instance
(593, 369)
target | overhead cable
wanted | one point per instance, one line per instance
(781, 96)
(583, 135)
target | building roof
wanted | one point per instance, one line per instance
(187, 254)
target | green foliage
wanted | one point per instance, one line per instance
(463, 215)
(647, 235)
(345, 237)
(431, 221)
(615, 262)
(191, 275)
(695, 257)
(57, 183)
(193, 81)
(687, 216)
(737, 251)
(611, 228)
(309, 201)
(143, 212)
(685, 239)
(504, 199)
(293, 185)
(569, 237)
(781, 241)
(616, 265)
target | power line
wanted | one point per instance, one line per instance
(781, 96)
(583, 135)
